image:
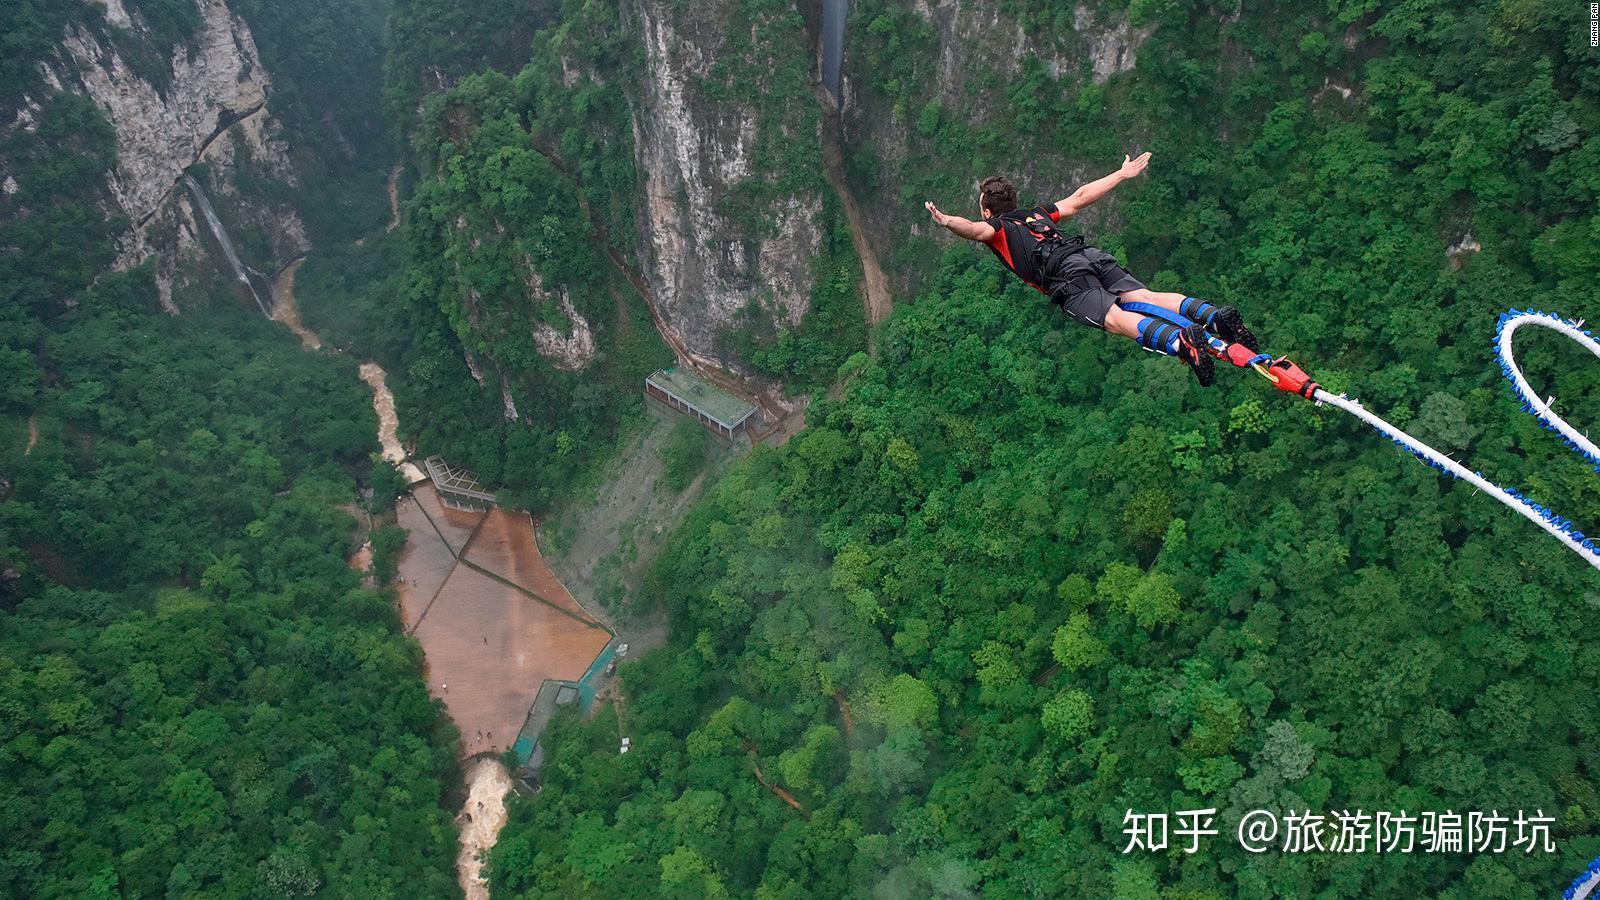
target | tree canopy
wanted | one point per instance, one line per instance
(1018, 579)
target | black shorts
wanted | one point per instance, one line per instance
(1086, 283)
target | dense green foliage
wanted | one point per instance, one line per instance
(571, 98)
(834, 326)
(527, 189)
(1013, 580)
(325, 60)
(197, 696)
(54, 228)
(684, 454)
(31, 32)
(1043, 614)
(1020, 579)
(350, 295)
(433, 43)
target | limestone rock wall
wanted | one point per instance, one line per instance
(213, 110)
(695, 152)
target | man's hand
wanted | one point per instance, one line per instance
(960, 227)
(1094, 190)
(1132, 167)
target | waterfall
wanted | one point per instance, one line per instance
(240, 270)
(833, 14)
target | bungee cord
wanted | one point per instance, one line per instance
(1286, 376)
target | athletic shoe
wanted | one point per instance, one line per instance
(1195, 350)
(1229, 325)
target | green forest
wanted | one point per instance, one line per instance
(198, 696)
(1019, 579)
(1012, 579)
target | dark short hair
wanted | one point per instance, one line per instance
(997, 195)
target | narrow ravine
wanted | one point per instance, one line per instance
(480, 821)
(875, 296)
(388, 420)
(484, 812)
(287, 311)
(394, 198)
(879, 303)
(284, 309)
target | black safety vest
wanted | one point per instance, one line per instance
(1025, 238)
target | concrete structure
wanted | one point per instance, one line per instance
(458, 488)
(722, 413)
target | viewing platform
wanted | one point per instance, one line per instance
(458, 488)
(724, 414)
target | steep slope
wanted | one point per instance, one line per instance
(185, 90)
(209, 104)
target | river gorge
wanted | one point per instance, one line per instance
(486, 782)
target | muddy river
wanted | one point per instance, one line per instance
(484, 812)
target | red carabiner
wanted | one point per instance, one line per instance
(1286, 376)
(1241, 356)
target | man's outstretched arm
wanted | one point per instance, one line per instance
(962, 228)
(1100, 187)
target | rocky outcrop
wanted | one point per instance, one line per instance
(213, 110)
(1113, 46)
(695, 155)
(981, 36)
(507, 402)
(697, 144)
(1460, 249)
(569, 351)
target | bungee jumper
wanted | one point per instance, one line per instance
(1089, 285)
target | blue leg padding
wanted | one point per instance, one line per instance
(1156, 312)
(1158, 336)
(1198, 310)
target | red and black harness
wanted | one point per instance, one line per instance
(1047, 241)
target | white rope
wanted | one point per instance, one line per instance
(1508, 324)
(1584, 886)
(1556, 526)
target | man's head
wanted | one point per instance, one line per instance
(996, 196)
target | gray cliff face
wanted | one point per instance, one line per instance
(693, 152)
(979, 36)
(570, 349)
(1113, 45)
(214, 111)
(697, 144)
